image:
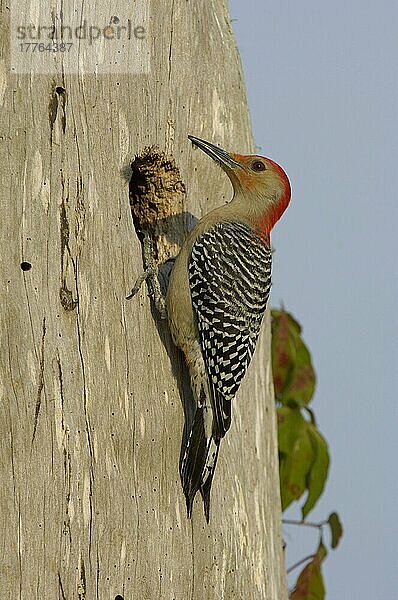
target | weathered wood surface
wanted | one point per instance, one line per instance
(90, 416)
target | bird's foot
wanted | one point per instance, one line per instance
(150, 275)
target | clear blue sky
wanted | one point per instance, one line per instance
(322, 83)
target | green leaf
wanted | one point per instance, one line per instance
(318, 472)
(293, 373)
(311, 415)
(336, 529)
(303, 458)
(309, 584)
(296, 454)
(290, 425)
(321, 553)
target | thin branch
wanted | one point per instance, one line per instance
(300, 562)
(304, 523)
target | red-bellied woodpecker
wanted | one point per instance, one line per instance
(216, 300)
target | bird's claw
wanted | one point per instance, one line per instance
(150, 275)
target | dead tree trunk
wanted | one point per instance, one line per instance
(90, 416)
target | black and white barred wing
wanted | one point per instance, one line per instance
(230, 280)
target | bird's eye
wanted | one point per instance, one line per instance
(258, 166)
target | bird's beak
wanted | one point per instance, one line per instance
(218, 154)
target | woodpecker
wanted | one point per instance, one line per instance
(216, 299)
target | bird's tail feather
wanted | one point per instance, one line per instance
(198, 463)
(211, 461)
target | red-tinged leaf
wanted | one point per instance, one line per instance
(336, 529)
(309, 584)
(282, 351)
(293, 373)
(318, 473)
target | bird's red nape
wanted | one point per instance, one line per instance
(250, 181)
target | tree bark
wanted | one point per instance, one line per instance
(90, 417)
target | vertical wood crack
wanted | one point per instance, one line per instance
(41, 381)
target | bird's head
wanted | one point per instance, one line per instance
(258, 180)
